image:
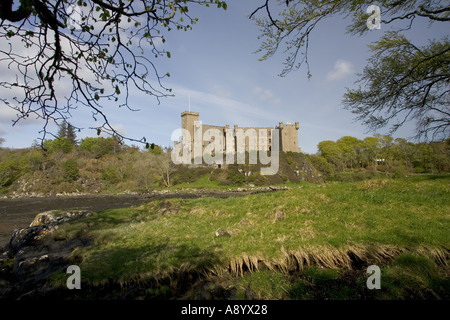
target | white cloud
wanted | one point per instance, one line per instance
(230, 109)
(341, 69)
(221, 91)
(119, 128)
(266, 95)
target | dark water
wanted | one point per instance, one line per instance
(18, 213)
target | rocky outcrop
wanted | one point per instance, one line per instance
(57, 216)
(42, 225)
(33, 254)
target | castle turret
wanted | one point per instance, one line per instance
(187, 122)
(289, 137)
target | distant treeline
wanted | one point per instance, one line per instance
(98, 165)
(386, 154)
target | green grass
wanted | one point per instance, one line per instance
(314, 225)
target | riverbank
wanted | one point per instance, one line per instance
(18, 212)
(313, 242)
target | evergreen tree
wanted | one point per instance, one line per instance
(71, 135)
(62, 132)
(67, 131)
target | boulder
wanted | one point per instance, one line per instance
(42, 225)
(57, 216)
(21, 238)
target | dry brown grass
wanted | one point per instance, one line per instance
(330, 257)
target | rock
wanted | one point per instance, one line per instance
(21, 238)
(56, 216)
(222, 233)
(42, 225)
(273, 188)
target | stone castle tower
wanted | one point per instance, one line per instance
(289, 137)
(288, 133)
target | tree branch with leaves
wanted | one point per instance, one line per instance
(401, 82)
(69, 54)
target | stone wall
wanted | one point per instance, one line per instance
(288, 134)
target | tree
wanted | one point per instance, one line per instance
(350, 149)
(99, 49)
(98, 147)
(155, 149)
(66, 130)
(58, 145)
(332, 153)
(62, 131)
(71, 135)
(371, 146)
(164, 166)
(401, 82)
(404, 82)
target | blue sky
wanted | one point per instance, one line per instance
(215, 65)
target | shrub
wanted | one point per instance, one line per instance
(12, 166)
(110, 174)
(71, 172)
(59, 144)
(100, 146)
(234, 176)
(322, 165)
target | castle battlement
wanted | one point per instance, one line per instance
(288, 133)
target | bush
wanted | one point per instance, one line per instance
(59, 144)
(98, 147)
(110, 174)
(8, 173)
(12, 166)
(234, 176)
(71, 172)
(322, 165)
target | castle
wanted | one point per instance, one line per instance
(260, 137)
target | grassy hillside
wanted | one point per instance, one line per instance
(311, 241)
(106, 165)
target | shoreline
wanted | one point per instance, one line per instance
(19, 212)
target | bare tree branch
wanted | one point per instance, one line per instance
(60, 64)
